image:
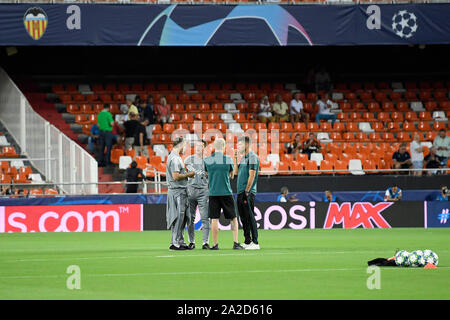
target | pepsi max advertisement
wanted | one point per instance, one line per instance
(315, 215)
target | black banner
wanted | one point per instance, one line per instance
(314, 215)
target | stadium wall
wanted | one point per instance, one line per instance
(272, 216)
(218, 25)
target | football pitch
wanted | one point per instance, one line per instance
(292, 264)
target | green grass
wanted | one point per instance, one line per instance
(292, 264)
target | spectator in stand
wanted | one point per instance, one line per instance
(121, 118)
(416, 155)
(105, 124)
(7, 191)
(118, 139)
(131, 107)
(311, 145)
(149, 115)
(431, 161)
(445, 193)
(329, 196)
(94, 134)
(163, 111)
(322, 80)
(393, 194)
(133, 174)
(280, 109)
(295, 147)
(131, 127)
(137, 102)
(283, 196)
(141, 140)
(265, 110)
(401, 158)
(297, 112)
(442, 144)
(142, 105)
(325, 104)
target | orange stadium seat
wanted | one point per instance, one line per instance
(72, 108)
(311, 165)
(342, 166)
(378, 126)
(286, 127)
(411, 116)
(395, 96)
(374, 107)
(408, 126)
(368, 164)
(438, 125)
(425, 116)
(388, 106)
(297, 167)
(403, 136)
(397, 116)
(424, 126)
(326, 165)
(388, 137)
(339, 126)
(402, 106)
(431, 105)
(284, 167)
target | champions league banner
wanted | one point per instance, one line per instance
(223, 25)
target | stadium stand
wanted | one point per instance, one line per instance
(373, 118)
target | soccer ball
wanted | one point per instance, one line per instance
(401, 258)
(414, 258)
(404, 24)
(430, 257)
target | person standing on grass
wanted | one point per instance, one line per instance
(220, 169)
(198, 195)
(177, 203)
(247, 180)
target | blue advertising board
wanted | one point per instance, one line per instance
(438, 214)
(223, 25)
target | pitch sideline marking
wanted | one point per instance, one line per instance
(203, 273)
(253, 253)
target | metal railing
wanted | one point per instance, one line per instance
(158, 184)
(53, 154)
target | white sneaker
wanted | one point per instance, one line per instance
(244, 245)
(252, 246)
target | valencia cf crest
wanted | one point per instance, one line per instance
(35, 21)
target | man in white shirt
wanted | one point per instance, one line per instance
(416, 155)
(325, 104)
(442, 144)
(297, 112)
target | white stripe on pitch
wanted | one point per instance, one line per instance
(243, 253)
(205, 272)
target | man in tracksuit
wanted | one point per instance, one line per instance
(247, 173)
(177, 203)
(198, 195)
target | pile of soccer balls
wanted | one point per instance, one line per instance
(418, 258)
